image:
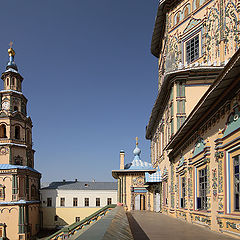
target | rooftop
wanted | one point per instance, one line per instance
(76, 185)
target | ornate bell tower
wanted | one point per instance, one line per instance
(19, 181)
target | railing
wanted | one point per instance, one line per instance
(70, 230)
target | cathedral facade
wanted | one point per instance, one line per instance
(194, 126)
(19, 181)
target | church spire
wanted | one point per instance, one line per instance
(11, 65)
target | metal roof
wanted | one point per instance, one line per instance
(226, 83)
(75, 185)
(9, 166)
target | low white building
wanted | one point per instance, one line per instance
(66, 202)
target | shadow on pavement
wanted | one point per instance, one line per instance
(137, 231)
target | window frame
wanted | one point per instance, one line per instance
(183, 192)
(202, 191)
(62, 202)
(86, 202)
(109, 200)
(98, 202)
(234, 182)
(75, 202)
(49, 202)
(194, 49)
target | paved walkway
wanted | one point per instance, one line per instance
(151, 225)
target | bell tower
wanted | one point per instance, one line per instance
(19, 181)
(16, 126)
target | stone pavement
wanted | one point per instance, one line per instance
(150, 225)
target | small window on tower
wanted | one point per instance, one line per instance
(7, 81)
(15, 108)
(28, 138)
(17, 132)
(3, 131)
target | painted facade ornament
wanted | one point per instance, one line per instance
(4, 150)
(172, 187)
(233, 121)
(173, 53)
(220, 203)
(18, 160)
(203, 219)
(212, 25)
(192, 23)
(218, 155)
(208, 179)
(214, 183)
(199, 147)
(139, 181)
(190, 187)
(231, 31)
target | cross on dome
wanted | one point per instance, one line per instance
(11, 65)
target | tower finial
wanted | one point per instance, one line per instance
(136, 141)
(11, 64)
(10, 44)
(11, 52)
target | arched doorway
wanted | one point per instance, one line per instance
(140, 202)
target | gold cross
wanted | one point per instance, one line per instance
(136, 141)
(10, 44)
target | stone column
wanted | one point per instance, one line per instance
(119, 190)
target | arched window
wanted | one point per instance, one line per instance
(15, 108)
(177, 18)
(28, 137)
(3, 131)
(186, 11)
(17, 132)
(7, 81)
(34, 192)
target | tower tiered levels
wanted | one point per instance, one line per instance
(19, 181)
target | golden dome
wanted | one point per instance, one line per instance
(11, 52)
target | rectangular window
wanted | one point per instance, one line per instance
(236, 165)
(192, 49)
(49, 202)
(97, 202)
(77, 219)
(1, 232)
(86, 202)
(62, 202)
(75, 202)
(109, 201)
(202, 199)
(183, 188)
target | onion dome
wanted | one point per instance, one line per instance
(11, 65)
(137, 150)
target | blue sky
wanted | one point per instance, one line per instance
(90, 79)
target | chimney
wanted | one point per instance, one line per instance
(75, 179)
(122, 155)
